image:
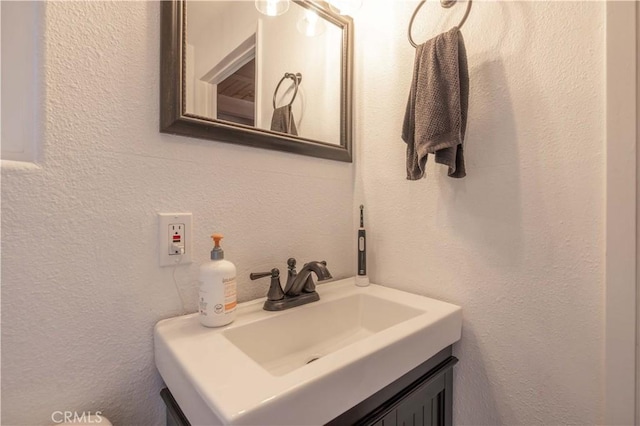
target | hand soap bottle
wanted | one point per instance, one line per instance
(217, 298)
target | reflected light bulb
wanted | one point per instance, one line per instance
(272, 7)
(309, 24)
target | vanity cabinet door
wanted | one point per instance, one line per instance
(427, 402)
(423, 396)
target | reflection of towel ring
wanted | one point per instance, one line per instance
(297, 78)
(444, 3)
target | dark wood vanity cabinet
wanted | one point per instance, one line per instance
(423, 396)
(428, 403)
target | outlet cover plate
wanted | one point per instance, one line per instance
(165, 242)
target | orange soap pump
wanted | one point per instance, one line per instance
(217, 296)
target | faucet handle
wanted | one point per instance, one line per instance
(256, 275)
(275, 289)
(291, 263)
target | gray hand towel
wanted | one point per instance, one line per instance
(436, 117)
(282, 120)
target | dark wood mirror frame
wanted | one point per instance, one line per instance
(175, 120)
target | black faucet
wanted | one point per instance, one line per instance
(300, 288)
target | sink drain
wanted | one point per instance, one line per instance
(313, 359)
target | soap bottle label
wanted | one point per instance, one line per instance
(203, 305)
(229, 294)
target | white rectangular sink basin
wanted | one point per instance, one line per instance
(305, 365)
(317, 330)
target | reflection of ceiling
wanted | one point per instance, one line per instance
(240, 84)
(202, 13)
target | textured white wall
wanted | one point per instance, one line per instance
(81, 285)
(519, 242)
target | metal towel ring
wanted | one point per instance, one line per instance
(444, 3)
(297, 78)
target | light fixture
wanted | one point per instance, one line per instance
(345, 7)
(272, 7)
(310, 24)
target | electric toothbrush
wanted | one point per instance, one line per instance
(361, 279)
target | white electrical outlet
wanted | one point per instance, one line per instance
(175, 238)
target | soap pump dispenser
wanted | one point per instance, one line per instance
(217, 296)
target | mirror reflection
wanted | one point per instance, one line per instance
(278, 73)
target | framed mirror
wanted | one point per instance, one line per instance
(229, 73)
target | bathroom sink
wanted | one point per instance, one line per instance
(287, 342)
(305, 365)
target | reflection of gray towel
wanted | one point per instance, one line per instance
(436, 117)
(282, 121)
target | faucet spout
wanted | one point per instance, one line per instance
(303, 281)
